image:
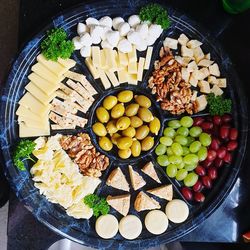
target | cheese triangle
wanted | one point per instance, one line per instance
(120, 203)
(144, 202)
(164, 192)
(136, 180)
(117, 180)
(150, 171)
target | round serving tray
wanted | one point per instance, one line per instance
(53, 215)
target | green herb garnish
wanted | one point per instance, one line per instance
(217, 105)
(99, 205)
(22, 152)
(56, 45)
(155, 13)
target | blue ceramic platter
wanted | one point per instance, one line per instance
(54, 216)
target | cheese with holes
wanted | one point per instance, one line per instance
(140, 68)
(148, 57)
(92, 68)
(104, 79)
(112, 77)
(27, 113)
(25, 131)
(42, 124)
(96, 56)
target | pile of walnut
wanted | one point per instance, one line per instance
(84, 154)
(175, 75)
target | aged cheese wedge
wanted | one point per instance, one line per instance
(25, 131)
(105, 81)
(27, 113)
(68, 63)
(123, 76)
(117, 180)
(150, 171)
(130, 227)
(148, 57)
(106, 226)
(123, 58)
(136, 180)
(92, 68)
(96, 56)
(132, 56)
(144, 202)
(140, 68)
(164, 192)
(120, 203)
(156, 222)
(112, 77)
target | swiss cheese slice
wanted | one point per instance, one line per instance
(27, 113)
(25, 131)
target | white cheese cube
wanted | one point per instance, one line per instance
(212, 80)
(170, 43)
(214, 70)
(185, 73)
(201, 102)
(183, 39)
(194, 95)
(76, 42)
(205, 72)
(204, 86)
(86, 39)
(134, 37)
(186, 51)
(113, 37)
(207, 56)
(193, 81)
(192, 66)
(205, 63)
(216, 90)
(198, 54)
(192, 44)
(222, 82)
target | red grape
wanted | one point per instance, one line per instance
(228, 158)
(224, 132)
(215, 144)
(200, 170)
(207, 182)
(233, 134)
(211, 155)
(212, 173)
(217, 120)
(207, 163)
(197, 186)
(199, 197)
(187, 193)
(218, 162)
(226, 118)
(207, 126)
(221, 152)
(232, 145)
(198, 121)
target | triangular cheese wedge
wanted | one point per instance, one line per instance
(164, 192)
(150, 171)
(144, 202)
(120, 203)
(117, 180)
(136, 180)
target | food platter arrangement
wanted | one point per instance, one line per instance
(119, 128)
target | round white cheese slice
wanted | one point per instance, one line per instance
(106, 226)
(130, 227)
(177, 211)
(156, 222)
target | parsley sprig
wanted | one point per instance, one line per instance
(217, 105)
(23, 152)
(99, 205)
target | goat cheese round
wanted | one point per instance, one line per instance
(85, 51)
(177, 211)
(142, 29)
(156, 222)
(134, 20)
(123, 29)
(77, 43)
(106, 226)
(134, 37)
(113, 37)
(130, 227)
(85, 39)
(81, 28)
(92, 21)
(124, 46)
(116, 21)
(106, 21)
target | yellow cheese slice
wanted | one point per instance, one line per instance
(39, 94)
(132, 68)
(110, 55)
(67, 63)
(123, 58)
(42, 124)
(148, 57)
(112, 77)
(132, 79)
(25, 131)
(103, 60)
(123, 75)
(96, 56)
(132, 56)
(27, 113)
(105, 81)
(92, 68)
(140, 68)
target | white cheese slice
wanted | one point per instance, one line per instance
(132, 56)
(132, 79)
(103, 64)
(110, 55)
(132, 68)
(130, 227)
(112, 77)
(25, 131)
(27, 113)
(105, 81)
(140, 68)
(123, 75)
(123, 58)
(42, 124)
(106, 226)
(68, 63)
(148, 57)
(96, 56)
(92, 68)
(156, 222)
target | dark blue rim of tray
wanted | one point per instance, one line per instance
(199, 216)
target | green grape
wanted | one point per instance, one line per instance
(202, 153)
(177, 148)
(174, 124)
(195, 147)
(169, 151)
(170, 132)
(171, 170)
(175, 159)
(183, 131)
(163, 160)
(181, 165)
(190, 167)
(185, 150)
(181, 139)
(160, 149)
(190, 179)
(205, 139)
(190, 139)
(195, 131)
(186, 121)
(165, 140)
(190, 159)
(181, 174)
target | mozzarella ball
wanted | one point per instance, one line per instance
(104, 33)
(123, 29)
(124, 46)
(77, 43)
(142, 29)
(134, 37)
(92, 21)
(81, 28)
(155, 30)
(85, 51)
(106, 21)
(134, 20)
(141, 46)
(106, 44)
(95, 33)
(150, 40)
(113, 37)
(85, 39)
(116, 21)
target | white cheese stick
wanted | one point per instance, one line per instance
(148, 57)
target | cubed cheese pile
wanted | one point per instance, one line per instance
(35, 105)
(197, 68)
(115, 33)
(114, 68)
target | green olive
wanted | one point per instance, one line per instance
(145, 114)
(117, 111)
(109, 102)
(136, 148)
(102, 114)
(124, 142)
(155, 126)
(143, 101)
(130, 132)
(111, 127)
(136, 122)
(99, 129)
(123, 123)
(147, 143)
(132, 109)
(124, 153)
(142, 132)
(125, 96)
(105, 143)
(114, 138)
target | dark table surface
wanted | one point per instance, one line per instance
(232, 218)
